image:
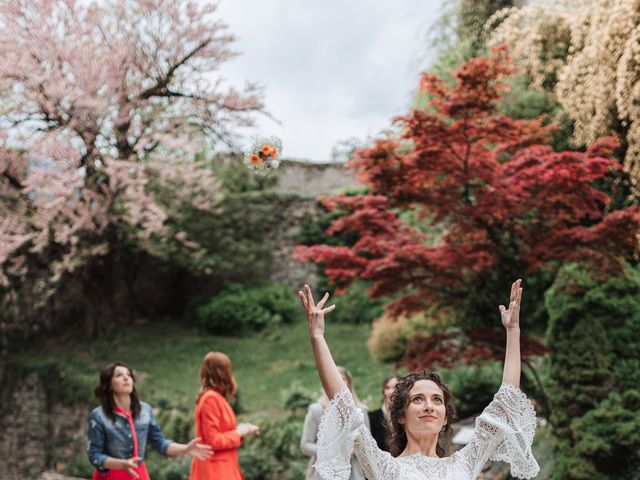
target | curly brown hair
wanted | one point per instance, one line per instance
(105, 395)
(396, 434)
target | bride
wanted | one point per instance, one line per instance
(421, 410)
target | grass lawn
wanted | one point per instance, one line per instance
(166, 357)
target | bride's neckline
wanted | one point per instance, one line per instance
(420, 454)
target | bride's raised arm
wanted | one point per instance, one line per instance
(342, 430)
(505, 429)
(329, 375)
(511, 323)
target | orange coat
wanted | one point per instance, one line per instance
(216, 423)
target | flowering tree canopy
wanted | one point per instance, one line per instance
(467, 200)
(586, 52)
(103, 108)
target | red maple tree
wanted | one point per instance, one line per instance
(464, 201)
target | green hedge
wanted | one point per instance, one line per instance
(239, 310)
(473, 387)
(594, 373)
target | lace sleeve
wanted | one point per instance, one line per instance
(376, 464)
(342, 430)
(341, 424)
(335, 437)
(504, 431)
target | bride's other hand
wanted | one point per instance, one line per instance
(315, 312)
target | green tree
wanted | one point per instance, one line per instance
(472, 16)
(594, 371)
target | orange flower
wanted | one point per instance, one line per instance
(274, 152)
(255, 159)
(266, 149)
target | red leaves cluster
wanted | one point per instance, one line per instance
(452, 348)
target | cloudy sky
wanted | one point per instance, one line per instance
(330, 69)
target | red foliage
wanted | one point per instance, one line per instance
(491, 188)
(454, 348)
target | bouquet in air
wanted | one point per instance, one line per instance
(264, 155)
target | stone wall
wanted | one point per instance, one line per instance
(299, 184)
(310, 180)
(24, 428)
(37, 431)
(284, 237)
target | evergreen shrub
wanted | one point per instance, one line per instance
(239, 310)
(594, 377)
(473, 387)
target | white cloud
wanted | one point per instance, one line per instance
(330, 69)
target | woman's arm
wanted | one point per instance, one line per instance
(129, 464)
(194, 448)
(506, 427)
(310, 430)
(170, 448)
(511, 322)
(342, 431)
(329, 375)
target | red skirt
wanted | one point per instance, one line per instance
(141, 470)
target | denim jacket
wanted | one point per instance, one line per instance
(114, 439)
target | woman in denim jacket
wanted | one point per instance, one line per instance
(121, 427)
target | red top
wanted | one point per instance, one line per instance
(141, 469)
(216, 424)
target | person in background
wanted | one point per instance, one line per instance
(216, 423)
(120, 428)
(378, 419)
(308, 441)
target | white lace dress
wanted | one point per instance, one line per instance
(504, 431)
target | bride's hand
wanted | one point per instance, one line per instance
(511, 316)
(315, 313)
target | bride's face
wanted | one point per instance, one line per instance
(426, 412)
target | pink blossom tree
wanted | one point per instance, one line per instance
(103, 110)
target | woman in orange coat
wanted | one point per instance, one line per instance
(215, 421)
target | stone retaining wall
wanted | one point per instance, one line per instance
(38, 431)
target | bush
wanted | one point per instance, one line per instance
(473, 387)
(233, 314)
(298, 397)
(390, 337)
(275, 454)
(176, 424)
(355, 306)
(594, 388)
(278, 299)
(238, 310)
(79, 466)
